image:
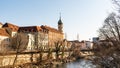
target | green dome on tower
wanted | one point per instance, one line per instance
(60, 25)
(60, 22)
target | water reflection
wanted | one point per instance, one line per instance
(77, 64)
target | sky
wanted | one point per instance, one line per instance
(79, 17)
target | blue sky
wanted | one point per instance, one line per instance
(82, 17)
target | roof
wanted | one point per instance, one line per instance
(11, 26)
(30, 29)
(50, 29)
(3, 32)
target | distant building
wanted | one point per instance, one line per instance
(95, 39)
(89, 44)
(81, 44)
(86, 44)
(75, 44)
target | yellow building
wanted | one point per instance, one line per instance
(54, 35)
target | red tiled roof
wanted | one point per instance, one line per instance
(30, 29)
(50, 29)
(3, 32)
(11, 26)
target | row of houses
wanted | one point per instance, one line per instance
(94, 44)
(37, 35)
(81, 45)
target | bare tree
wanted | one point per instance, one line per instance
(108, 54)
(19, 43)
(111, 29)
(110, 32)
(117, 5)
(57, 49)
(41, 47)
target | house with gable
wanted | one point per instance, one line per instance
(11, 27)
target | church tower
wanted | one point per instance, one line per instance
(60, 25)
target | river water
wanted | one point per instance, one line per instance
(77, 64)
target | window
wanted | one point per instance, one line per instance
(8, 39)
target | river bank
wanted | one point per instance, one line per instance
(39, 59)
(42, 64)
(70, 63)
(81, 63)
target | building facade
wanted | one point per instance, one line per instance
(86, 45)
(37, 37)
(54, 35)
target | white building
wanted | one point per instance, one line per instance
(38, 37)
(31, 42)
(86, 45)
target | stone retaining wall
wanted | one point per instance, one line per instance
(7, 60)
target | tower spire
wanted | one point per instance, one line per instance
(60, 25)
(60, 15)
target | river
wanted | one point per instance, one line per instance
(77, 64)
(82, 63)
